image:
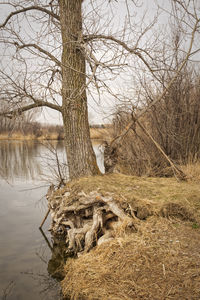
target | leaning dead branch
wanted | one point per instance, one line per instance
(179, 174)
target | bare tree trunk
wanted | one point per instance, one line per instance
(80, 154)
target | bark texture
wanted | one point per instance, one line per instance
(80, 154)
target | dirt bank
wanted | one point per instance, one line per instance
(151, 252)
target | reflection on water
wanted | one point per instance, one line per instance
(26, 160)
(19, 160)
(24, 253)
(26, 257)
(58, 256)
(58, 259)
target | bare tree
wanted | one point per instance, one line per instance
(56, 51)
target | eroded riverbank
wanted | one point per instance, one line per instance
(148, 258)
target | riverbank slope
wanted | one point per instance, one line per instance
(158, 260)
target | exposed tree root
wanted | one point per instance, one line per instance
(90, 220)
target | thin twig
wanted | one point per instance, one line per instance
(45, 217)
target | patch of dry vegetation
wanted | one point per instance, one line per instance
(134, 189)
(192, 170)
(100, 133)
(52, 132)
(168, 130)
(34, 131)
(159, 261)
(28, 137)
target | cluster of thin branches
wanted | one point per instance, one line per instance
(169, 132)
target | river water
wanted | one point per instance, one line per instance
(26, 170)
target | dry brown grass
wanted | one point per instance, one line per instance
(100, 133)
(192, 170)
(160, 261)
(28, 137)
(95, 133)
(16, 136)
(142, 189)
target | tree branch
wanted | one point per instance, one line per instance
(20, 110)
(134, 50)
(52, 57)
(34, 7)
(91, 37)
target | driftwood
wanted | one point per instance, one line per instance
(89, 220)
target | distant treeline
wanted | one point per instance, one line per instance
(21, 127)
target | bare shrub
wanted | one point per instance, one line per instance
(174, 123)
(137, 155)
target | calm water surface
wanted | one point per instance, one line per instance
(26, 168)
